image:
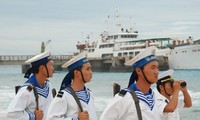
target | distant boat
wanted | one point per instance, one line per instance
(125, 44)
(121, 44)
(185, 57)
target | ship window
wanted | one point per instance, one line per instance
(119, 54)
(102, 46)
(91, 50)
(106, 46)
(107, 55)
(111, 45)
(131, 53)
(137, 52)
(115, 37)
(125, 54)
(123, 36)
(128, 36)
(110, 37)
(134, 36)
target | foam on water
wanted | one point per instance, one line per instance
(195, 98)
(5, 99)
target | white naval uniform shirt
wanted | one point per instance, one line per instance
(162, 102)
(123, 108)
(65, 107)
(23, 105)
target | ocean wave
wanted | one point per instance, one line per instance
(195, 98)
(3, 115)
(102, 102)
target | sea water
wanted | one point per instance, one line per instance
(101, 86)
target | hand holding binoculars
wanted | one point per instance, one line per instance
(183, 84)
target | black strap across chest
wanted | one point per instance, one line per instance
(136, 100)
(76, 98)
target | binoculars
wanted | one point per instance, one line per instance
(183, 84)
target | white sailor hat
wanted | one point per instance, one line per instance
(72, 64)
(76, 61)
(142, 58)
(36, 61)
(166, 76)
(39, 59)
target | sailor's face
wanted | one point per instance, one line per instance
(50, 68)
(87, 72)
(168, 88)
(151, 71)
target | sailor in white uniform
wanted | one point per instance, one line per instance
(65, 106)
(145, 72)
(24, 105)
(167, 96)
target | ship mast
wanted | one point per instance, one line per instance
(114, 26)
(117, 17)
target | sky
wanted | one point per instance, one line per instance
(25, 24)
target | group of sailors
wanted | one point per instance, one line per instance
(74, 101)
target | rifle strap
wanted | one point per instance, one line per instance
(76, 98)
(35, 94)
(135, 98)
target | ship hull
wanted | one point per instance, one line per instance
(185, 57)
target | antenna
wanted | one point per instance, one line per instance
(117, 16)
(106, 21)
(133, 26)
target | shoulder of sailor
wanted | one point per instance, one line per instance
(124, 93)
(62, 93)
(26, 86)
(124, 96)
(159, 97)
(25, 89)
(66, 92)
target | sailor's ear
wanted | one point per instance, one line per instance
(42, 67)
(138, 70)
(76, 72)
(161, 87)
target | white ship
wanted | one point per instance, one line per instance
(120, 42)
(117, 48)
(185, 56)
(125, 44)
